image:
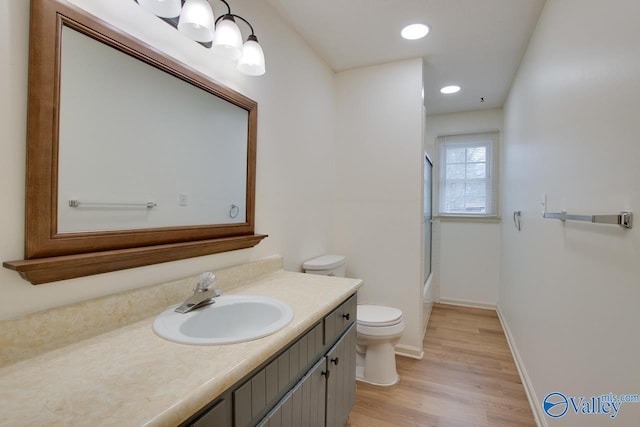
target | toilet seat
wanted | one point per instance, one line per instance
(375, 316)
(381, 332)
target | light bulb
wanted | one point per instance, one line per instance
(414, 31)
(447, 90)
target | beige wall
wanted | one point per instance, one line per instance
(379, 209)
(569, 292)
(296, 149)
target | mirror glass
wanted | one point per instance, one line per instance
(139, 148)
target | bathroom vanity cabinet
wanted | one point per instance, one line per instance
(310, 382)
(127, 375)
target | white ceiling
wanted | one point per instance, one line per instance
(477, 44)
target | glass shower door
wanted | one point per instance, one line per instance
(427, 286)
(428, 216)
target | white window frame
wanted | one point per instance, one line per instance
(488, 139)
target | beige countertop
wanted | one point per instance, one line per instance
(130, 377)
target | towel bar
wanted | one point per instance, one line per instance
(624, 219)
(78, 203)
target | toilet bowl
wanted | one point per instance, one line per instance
(379, 329)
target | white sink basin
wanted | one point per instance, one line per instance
(232, 319)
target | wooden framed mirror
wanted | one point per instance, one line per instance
(145, 177)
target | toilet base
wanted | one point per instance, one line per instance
(360, 377)
(377, 364)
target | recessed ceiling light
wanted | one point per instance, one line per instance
(414, 31)
(447, 90)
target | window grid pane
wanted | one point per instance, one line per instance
(476, 170)
(466, 165)
(467, 196)
(467, 185)
(477, 154)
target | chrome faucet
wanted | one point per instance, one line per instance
(203, 294)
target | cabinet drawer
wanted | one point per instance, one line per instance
(336, 322)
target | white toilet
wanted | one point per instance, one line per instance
(326, 265)
(379, 329)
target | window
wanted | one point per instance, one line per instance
(468, 173)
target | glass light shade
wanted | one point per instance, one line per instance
(252, 61)
(196, 20)
(227, 41)
(162, 8)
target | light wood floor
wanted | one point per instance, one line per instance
(466, 378)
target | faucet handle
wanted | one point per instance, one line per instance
(205, 281)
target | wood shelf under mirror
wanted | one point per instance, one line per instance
(45, 270)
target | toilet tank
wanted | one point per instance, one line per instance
(326, 265)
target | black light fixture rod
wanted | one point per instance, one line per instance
(236, 16)
(228, 8)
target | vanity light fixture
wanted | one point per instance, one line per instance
(195, 19)
(448, 90)
(414, 31)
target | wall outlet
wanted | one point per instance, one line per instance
(182, 199)
(543, 203)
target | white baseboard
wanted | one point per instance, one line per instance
(538, 415)
(409, 351)
(466, 303)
